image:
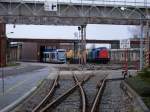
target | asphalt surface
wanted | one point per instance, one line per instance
(17, 85)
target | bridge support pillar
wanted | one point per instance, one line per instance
(83, 44)
(3, 44)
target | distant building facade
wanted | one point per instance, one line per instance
(14, 52)
(118, 55)
(133, 53)
(34, 51)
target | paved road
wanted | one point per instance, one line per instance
(17, 85)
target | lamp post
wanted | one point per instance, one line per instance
(2, 68)
(2, 71)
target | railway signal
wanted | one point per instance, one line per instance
(82, 29)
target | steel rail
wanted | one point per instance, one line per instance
(82, 93)
(55, 83)
(101, 86)
(63, 95)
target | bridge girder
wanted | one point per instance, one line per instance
(70, 14)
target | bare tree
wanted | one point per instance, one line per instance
(135, 31)
(92, 46)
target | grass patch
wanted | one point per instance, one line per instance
(145, 73)
(141, 84)
(147, 101)
(12, 64)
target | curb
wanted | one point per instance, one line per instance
(115, 79)
(15, 103)
(134, 96)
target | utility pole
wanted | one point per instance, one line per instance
(147, 43)
(147, 46)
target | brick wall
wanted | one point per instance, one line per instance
(29, 52)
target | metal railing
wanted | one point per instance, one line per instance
(133, 3)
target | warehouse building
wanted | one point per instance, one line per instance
(34, 51)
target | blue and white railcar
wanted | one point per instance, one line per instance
(54, 56)
(61, 55)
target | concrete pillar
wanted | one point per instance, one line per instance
(83, 44)
(3, 44)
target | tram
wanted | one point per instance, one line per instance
(54, 56)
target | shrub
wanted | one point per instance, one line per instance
(145, 73)
(139, 85)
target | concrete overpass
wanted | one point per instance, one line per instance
(75, 13)
(89, 41)
(113, 43)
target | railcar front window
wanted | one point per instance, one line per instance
(61, 54)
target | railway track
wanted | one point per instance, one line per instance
(98, 95)
(78, 91)
(42, 103)
(75, 93)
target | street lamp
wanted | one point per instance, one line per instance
(9, 33)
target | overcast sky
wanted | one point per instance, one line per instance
(93, 31)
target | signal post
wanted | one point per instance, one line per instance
(83, 44)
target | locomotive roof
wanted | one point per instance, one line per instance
(99, 48)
